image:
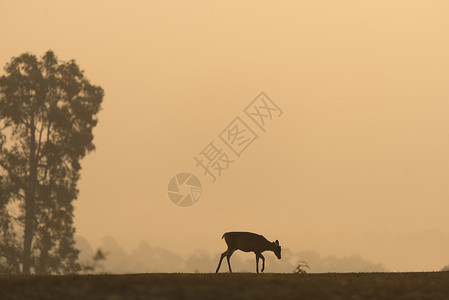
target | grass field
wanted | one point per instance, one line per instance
(229, 286)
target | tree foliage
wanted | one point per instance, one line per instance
(48, 110)
(301, 267)
(96, 262)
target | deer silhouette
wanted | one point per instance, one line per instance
(248, 242)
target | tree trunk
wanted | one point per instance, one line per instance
(30, 194)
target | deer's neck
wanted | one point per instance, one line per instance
(268, 246)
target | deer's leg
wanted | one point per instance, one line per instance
(257, 262)
(221, 258)
(263, 261)
(228, 258)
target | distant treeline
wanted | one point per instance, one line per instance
(147, 258)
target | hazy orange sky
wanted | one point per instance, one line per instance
(358, 162)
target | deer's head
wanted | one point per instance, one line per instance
(277, 249)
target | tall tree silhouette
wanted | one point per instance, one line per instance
(47, 112)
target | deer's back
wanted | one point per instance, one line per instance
(245, 241)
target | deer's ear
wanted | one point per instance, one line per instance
(277, 243)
